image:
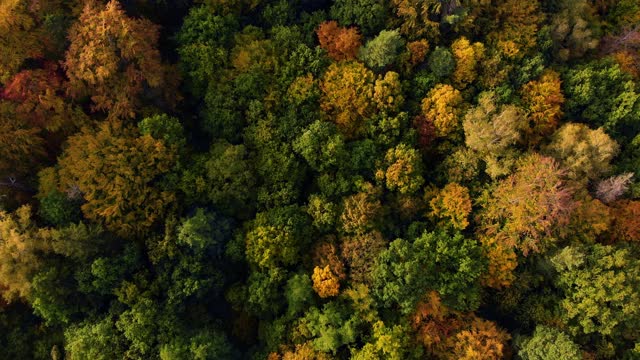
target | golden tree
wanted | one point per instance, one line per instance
(117, 172)
(111, 58)
(442, 108)
(347, 92)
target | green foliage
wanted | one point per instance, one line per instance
(548, 343)
(382, 50)
(222, 177)
(441, 62)
(601, 94)
(368, 15)
(434, 261)
(599, 282)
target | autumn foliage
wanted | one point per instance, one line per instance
(340, 43)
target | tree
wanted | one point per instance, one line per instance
(20, 37)
(626, 224)
(277, 237)
(493, 131)
(585, 153)
(604, 96)
(222, 177)
(97, 340)
(340, 43)
(454, 204)
(528, 209)
(22, 145)
(467, 57)
(441, 62)
(572, 33)
(416, 17)
(39, 102)
(325, 282)
(360, 252)
(599, 284)
(544, 100)
(112, 58)
(117, 172)
(434, 261)
(347, 88)
(387, 93)
(329, 328)
(612, 188)
(482, 340)
(321, 146)
(21, 252)
(368, 15)
(548, 343)
(402, 170)
(442, 106)
(204, 41)
(361, 211)
(382, 50)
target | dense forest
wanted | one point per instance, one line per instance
(320, 179)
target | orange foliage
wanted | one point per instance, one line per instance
(449, 334)
(483, 340)
(418, 51)
(39, 101)
(627, 220)
(530, 206)
(325, 283)
(340, 43)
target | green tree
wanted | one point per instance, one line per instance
(368, 15)
(277, 237)
(548, 343)
(448, 264)
(599, 283)
(382, 50)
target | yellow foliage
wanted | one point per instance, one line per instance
(115, 169)
(454, 203)
(325, 283)
(442, 106)
(347, 93)
(387, 92)
(544, 99)
(467, 56)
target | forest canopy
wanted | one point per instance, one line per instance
(328, 179)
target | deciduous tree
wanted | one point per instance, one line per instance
(340, 43)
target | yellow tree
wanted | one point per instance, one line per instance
(20, 246)
(19, 37)
(467, 56)
(112, 58)
(347, 90)
(325, 282)
(454, 204)
(117, 172)
(442, 107)
(544, 100)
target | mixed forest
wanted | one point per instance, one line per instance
(320, 179)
